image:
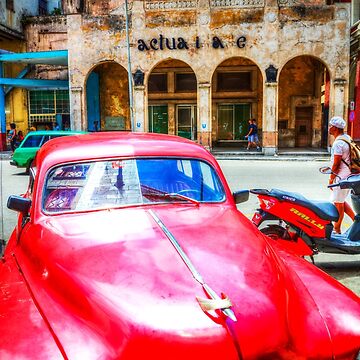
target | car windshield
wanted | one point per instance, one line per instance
(116, 183)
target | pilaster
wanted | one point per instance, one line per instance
(77, 121)
(270, 133)
(140, 109)
(204, 114)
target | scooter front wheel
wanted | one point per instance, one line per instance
(283, 237)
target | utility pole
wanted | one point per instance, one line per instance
(131, 100)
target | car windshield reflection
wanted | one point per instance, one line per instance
(116, 183)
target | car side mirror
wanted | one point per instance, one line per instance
(18, 203)
(241, 196)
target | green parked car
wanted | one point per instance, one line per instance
(24, 155)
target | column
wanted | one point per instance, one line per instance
(356, 124)
(76, 114)
(140, 109)
(204, 115)
(270, 133)
(339, 104)
(2, 114)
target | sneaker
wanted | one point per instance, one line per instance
(258, 148)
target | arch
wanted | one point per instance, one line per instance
(212, 71)
(237, 97)
(306, 55)
(303, 102)
(147, 74)
(172, 98)
(107, 97)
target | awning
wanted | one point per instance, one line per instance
(56, 57)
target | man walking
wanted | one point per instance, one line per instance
(340, 157)
(252, 135)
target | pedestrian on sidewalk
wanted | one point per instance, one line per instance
(12, 136)
(340, 156)
(252, 135)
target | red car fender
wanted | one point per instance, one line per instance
(340, 310)
(25, 333)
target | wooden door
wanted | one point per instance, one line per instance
(303, 126)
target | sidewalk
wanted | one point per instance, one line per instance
(5, 155)
(286, 154)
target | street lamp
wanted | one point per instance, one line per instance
(131, 101)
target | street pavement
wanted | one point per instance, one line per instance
(296, 176)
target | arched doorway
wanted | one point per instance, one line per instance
(237, 96)
(303, 107)
(107, 98)
(172, 97)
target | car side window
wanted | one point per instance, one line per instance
(32, 141)
(45, 139)
(30, 188)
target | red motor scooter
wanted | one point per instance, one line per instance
(304, 226)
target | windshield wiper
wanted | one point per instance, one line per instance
(150, 191)
(182, 197)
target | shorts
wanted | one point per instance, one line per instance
(339, 195)
(253, 138)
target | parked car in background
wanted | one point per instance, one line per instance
(25, 153)
(130, 246)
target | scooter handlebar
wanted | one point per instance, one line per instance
(333, 185)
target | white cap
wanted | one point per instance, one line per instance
(338, 122)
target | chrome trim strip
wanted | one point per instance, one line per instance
(197, 276)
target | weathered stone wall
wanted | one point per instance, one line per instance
(206, 34)
(114, 92)
(43, 34)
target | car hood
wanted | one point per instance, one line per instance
(119, 275)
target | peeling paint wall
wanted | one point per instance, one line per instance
(13, 18)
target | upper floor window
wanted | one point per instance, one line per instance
(158, 83)
(234, 81)
(43, 7)
(185, 82)
(10, 5)
(355, 11)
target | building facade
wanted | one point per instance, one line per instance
(201, 69)
(14, 99)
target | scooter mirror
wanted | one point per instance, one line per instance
(325, 170)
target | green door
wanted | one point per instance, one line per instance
(187, 121)
(233, 121)
(241, 120)
(158, 119)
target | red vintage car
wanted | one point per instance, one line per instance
(130, 246)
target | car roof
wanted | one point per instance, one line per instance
(54, 132)
(117, 144)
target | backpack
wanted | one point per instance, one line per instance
(354, 165)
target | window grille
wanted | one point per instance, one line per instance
(44, 105)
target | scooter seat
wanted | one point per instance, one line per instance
(324, 209)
